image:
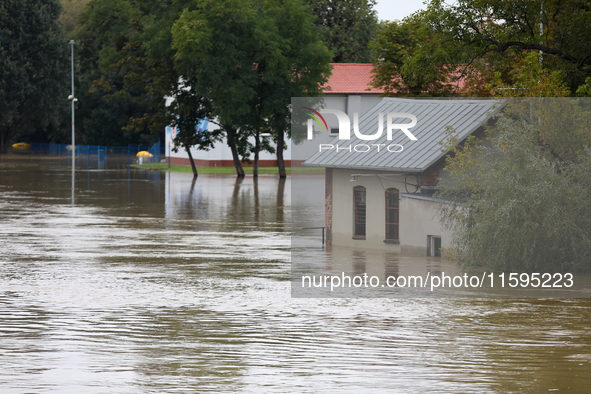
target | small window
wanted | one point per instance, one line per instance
(433, 245)
(334, 130)
(392, 217)
(359, 212)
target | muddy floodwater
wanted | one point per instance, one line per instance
(130, 281)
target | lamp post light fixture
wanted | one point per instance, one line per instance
(73, 99)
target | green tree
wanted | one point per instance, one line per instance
(475, 29)
(108, 52)
(188, 110)
(400, 71)
(299, 70)
(71, 9)
(148, 59)
(472, 40)
(584, 90)
(249, 58)
(33, 68)
(529, 78)
(347, 27)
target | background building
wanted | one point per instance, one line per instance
(348, 89)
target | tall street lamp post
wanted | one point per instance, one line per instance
(73, 99)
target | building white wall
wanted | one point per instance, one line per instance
(343, 209)
(419, 220)
(417, 217)
(220, 152)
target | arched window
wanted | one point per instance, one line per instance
(392, 218)
(359, 213)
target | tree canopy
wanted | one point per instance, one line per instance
(71, 9)
(347, 27)
(559, 29)
(474, 39)
(398, 67)
(109, 55)
(33, 68)
(522, 203)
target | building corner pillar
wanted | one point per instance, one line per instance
(328, 205)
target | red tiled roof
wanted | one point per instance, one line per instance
(350, 78)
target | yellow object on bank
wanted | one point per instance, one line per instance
(22, 146)
(144, 154)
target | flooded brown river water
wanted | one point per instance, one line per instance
(145, 282)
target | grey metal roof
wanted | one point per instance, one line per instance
(433, 116)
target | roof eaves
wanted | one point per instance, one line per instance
(362, 168)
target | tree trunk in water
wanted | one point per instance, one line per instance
(257, 148)
(280, 162)
(4, 135)
(192, 162)
(231, 132)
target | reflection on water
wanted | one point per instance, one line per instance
(158, 283)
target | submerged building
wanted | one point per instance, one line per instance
(380, 182)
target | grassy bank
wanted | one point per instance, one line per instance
(223, 170)
(205, 170)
